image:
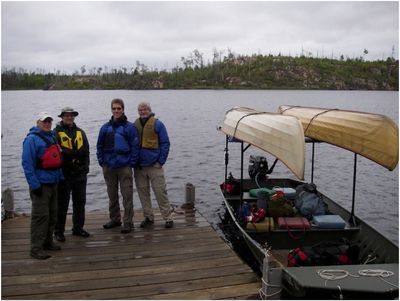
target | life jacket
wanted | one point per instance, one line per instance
(148, 138)
(51, 158)
(67, 142)
(324, 253)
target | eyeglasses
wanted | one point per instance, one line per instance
(116, 108)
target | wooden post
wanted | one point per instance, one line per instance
(7, 200)
(190, 195)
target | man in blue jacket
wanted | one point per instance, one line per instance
(154, 149)
(117, 153)
(41, 161)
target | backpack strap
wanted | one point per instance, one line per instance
(48, 142)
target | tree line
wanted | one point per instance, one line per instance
(229, 71)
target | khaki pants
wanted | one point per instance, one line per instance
(43, 217)
(154, 175)
(123, 177)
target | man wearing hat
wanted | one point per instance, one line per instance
(75, 149)
(41, 161)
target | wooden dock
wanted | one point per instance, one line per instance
(189, 261)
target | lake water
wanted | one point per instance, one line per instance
(197, 148)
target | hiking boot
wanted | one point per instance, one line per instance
(169, 224)
(40, 255)
(80, 232)
(52, 247)
(126, 228)
(112, 224)
(59, 236)
(146, 222)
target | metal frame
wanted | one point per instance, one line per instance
(352, 219)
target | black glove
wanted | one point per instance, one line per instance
(37, 191)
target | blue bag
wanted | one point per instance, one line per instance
(309, 201)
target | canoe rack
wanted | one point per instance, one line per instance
(228, 139)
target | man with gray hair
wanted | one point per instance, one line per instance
(154, 149)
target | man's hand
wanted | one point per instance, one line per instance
(37, 191)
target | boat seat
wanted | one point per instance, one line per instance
(247, 196)
(305, 281)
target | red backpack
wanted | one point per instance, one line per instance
(52, 158)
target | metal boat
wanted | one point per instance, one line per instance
(372, 272)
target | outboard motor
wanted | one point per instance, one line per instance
(258, 167)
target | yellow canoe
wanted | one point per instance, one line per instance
(279, 135)
(373, 136)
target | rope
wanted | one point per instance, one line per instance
(312, 119)
(250, 114)
(369, 259)
(378, 273)
(375, 273)
(258, 185)
(264, 295)
(341, 274)
(334, 274)
(289, 107)
(315, 116)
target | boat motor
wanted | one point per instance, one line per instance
(258, 167)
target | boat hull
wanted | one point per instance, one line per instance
(373, 246)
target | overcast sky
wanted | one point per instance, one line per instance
(67, 35)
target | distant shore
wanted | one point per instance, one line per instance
(232, 72)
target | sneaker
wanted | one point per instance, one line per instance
(146, 222)
(169, 224)
(40, 255)
(80, 232)
(126, 228)
(112, 224)
(52, 247)
(59, 236)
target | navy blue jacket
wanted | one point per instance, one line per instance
(118, 144)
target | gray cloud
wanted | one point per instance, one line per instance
(66, 35)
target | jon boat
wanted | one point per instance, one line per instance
(283, 135)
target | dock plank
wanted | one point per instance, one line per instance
(189, 261)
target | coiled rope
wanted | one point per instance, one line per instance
(378, 273)
(334, 274)
(341, 274)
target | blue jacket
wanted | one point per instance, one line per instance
(118, 144)
(149, 157)
(33, 149)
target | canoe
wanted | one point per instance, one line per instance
(272, 245)
(280, 136)
(373, 136)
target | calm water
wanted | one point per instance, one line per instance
(196, 153)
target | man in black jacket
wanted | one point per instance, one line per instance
(75, 150)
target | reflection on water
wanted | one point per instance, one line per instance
(196, 154)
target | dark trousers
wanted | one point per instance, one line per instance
(43, 217)
(76, 186)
